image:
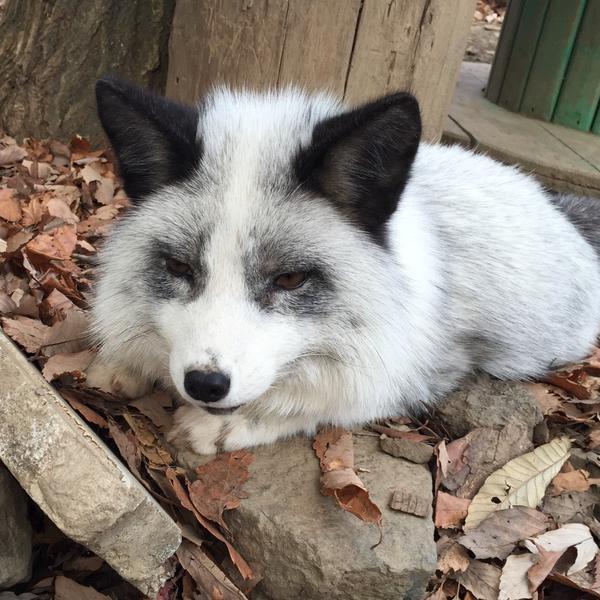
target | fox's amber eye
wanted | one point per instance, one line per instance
(178, 268)
(290, 281)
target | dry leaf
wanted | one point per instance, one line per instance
(206, 574)
(544, 563)
(573, 481)
(482, 580)
(450, 511)
(67, 589)
(219, 484)
(514, 584)
(499, 533)
(335, 452)
(73, 364)
(243, 567)
(576, 535)
(521, 482)
(29, 333)
(10, 209)
(452, 557)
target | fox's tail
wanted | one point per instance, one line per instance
(584, 213)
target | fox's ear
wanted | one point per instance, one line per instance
(361, 159)
(154, 138)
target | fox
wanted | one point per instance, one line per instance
(289, 262)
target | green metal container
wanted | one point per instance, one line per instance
(547, 63)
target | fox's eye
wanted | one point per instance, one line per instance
(178, 268)
(290, 281)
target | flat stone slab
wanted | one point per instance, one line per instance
(563, 159)
(309, 548)
(15, 532)
(75, 479)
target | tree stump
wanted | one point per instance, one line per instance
(358, 49)
(53, 51)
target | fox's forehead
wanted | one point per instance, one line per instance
(255, 133)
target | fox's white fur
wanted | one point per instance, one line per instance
(480, 271)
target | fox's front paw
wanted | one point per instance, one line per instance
(197, 430)
(116, 381)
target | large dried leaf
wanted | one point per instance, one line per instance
(73, 364)
(29, 333)
(452, 557)
(482, 580)
(499, 533)
(514, 584)
(521, 482)
(208, 577)
(574, 535)
(450, 511)
(10, 209)
(219, 484)
(336, 455)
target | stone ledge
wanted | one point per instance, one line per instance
(75, 479)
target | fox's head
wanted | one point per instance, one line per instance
(256, 240)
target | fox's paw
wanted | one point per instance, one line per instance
(116, 381)
(197, 430)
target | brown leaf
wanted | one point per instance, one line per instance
(73, 364)
(219, 484)
(336, 456)
(208, 577)
(58, 208)
(57, 245)
(575, 382)
(67, 589)
(128, 447)
(68, 335)
(450, 511)
(410, 503)
(452, 557)
(573, 481)
(17, 240)
(10, 209)
(497, 535)
(182, 495)
(29, 333)
(90, 415)
(55, 307)
(11, 154)
(545, 561)
(482, 580)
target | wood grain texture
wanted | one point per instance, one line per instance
(551, 58)
(580, 93)
(358, 49)
(503, 50)
(53, 52)
(531, 21)
(237, 42)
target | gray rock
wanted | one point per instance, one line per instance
(486, 402)
(416, 452)
(310, 548)
(15, 532)
(74, 478)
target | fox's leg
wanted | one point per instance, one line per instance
(116, 380)
(206, 433)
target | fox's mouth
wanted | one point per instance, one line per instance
(213, 410)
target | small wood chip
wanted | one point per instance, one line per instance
(410, 503)
(417, 452)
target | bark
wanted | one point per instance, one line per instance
(53, 51)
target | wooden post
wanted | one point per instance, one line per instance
(358, 49)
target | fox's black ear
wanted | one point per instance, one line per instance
(361, 159)
(154, 138)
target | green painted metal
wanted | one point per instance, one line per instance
(551, 58)
(580, 93)
(523, 51)
(504, 48)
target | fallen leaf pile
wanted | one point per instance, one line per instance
(57, 203)
(514, 519)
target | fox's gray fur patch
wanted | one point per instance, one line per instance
(420, 265)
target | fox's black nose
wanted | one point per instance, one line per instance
(207, 387)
